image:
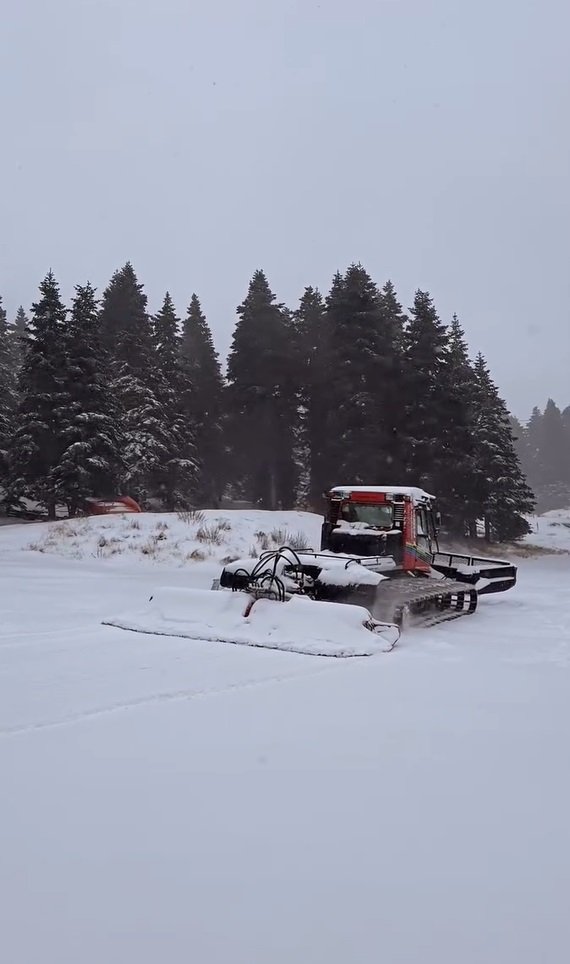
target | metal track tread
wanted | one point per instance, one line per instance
(422, 605)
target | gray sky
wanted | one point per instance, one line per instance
(429, 139)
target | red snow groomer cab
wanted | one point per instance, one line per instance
(398, 525)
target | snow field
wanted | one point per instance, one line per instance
(551, 530)
(176, 800)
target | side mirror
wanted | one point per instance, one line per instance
(437, 519)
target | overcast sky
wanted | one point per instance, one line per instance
(428, 139)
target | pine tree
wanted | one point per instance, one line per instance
(519, 439)
(504, 495)
(262, 400)
(204, 403)
(18, 335)
(455, 468)
(521, 444)
(174, 476)
(394, 321)
(165, 325)
(423, 392)
(127, 339)
(566, 426)
(543, 447)
(554, 450)
(90, 463)
(126, 333)
(566, 423)
(43, 409)
(393, 315)
(533, 440)
(315, 383)
(8, 395)
(364, 441)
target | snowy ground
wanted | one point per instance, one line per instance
(551, 530)
(169, 800)
(160, 538)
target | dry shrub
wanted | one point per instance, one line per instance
(279, 536)
(211, 535)
(296, 540)
(191, 516)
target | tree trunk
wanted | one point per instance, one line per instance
(272, 489)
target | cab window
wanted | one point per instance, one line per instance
(422, 528)
(376, 516)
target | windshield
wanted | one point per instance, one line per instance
(379, 516)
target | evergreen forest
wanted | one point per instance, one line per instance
(101, 397)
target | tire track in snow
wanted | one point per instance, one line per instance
(30, 638)
(157, 698)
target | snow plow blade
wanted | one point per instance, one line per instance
(298, 625)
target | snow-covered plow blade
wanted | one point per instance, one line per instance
(298, 625)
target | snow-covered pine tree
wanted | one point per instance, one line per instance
(174, 478)
(90, 463)
(204, 404)
(8, 397)
(393, 314)
(363, 441)
(394, 322)
(522, 448)
(127, 339)
(423, 391)
(43, 410)
(126, 333)
(314, 375)
(504, 496)
(519, 438)
(262, 399)
(533, 439)
(18, 334)
(455, 467)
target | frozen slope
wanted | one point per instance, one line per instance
(167, 800)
